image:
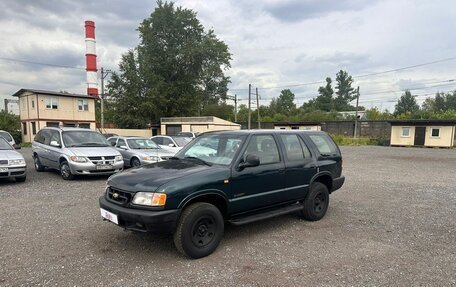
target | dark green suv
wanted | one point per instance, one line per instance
(233, 176)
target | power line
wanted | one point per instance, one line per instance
(357, 76)
(445, 83)
(42, 64)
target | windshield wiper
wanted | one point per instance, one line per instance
(203, 161)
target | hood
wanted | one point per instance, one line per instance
(93, 151)
(150, 177)
(10, 154)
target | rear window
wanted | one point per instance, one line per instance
(6, 136)
(324, 144)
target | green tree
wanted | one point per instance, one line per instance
(176, 70)
(324, 101)
(222, 111)
(11, 123)
(344, 91)
(284, 103)
(406, 105)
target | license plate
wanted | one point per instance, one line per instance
(104, 166)
(109, 216)
(3, 169)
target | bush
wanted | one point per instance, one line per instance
(26, 144)
(349, 141)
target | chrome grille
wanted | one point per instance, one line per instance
(102, 159)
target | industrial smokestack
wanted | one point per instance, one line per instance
(91, 59)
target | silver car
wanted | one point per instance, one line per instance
(12, 163)
(171, 143)
(137, 151)
(8, 137)
(75, 151)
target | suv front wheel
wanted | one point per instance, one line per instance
(65, 171)
(199, 230)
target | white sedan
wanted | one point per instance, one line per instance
(12, 163)
(171, 143)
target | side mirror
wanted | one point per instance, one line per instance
(17, 147)
(171, 145)
(54, 144)
(123, 147)
(251, 160)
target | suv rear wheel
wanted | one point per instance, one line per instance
(199, 230)
(316, 203)
(65, 171)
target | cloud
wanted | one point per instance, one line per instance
(298, 10)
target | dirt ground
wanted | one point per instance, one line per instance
(392, 224)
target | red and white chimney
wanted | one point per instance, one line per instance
(91, 59)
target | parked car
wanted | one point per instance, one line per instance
(8, 137)
(12, 163)
(75, 151)
(189, 134)
(248, 176)
(137, 151)
(108, 135)
(171, 143)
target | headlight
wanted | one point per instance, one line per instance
(16, 161)
(78, 158)
(119, 158)
(151, 158)
(149, 199)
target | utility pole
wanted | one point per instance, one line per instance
(235, 108)
(258, 109)
(356, 114)
(248, 123)
(104, 74)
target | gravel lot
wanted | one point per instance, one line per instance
(393, 223)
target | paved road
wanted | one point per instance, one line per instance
(393, 223)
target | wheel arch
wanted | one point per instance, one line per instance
(214, 197)
(324, 178)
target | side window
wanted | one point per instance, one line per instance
(121, 142)
(295, 149)
(112, 141)
(39, 137)
(265, 147)
(305, 149)
(167, 141)
(325, 145)
(158, 140)
(47, 137)
(55, 136)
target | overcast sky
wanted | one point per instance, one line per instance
(275, 43)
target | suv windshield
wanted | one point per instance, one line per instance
(182, 141)
(83, 139)
(6, 136)
(4, 145)
(214, 149)
(142, 144)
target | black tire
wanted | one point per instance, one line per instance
(65, 171)
(316, 202)
(21, 179)
(199, 230)
(135, 162)
(37, 163)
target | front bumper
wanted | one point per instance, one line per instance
(87, 168)
(155, 221)
(337, 183)
(13, 171)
